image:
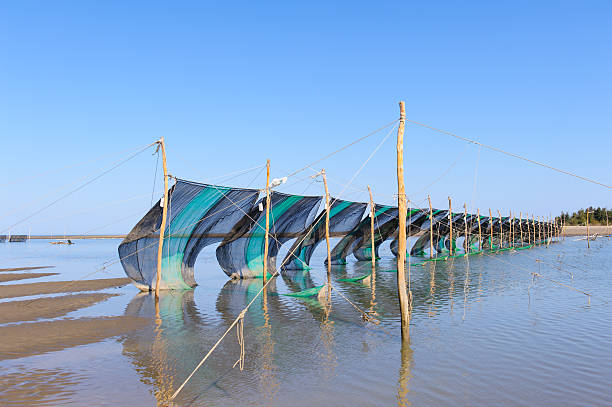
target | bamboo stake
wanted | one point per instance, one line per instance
(266, 241)
(588, 234)
(607, 227)
(534, 228)
(327, 233)
(521, 227)
(431, 249)
(160, 246)
(465, 233)
(528, 231)
(373, 275)
(511, 230)
(450, 223)
(479, 231)
(501, 231)
(491, 225)
(404, 299)
(372, 227)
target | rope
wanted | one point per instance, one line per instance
(343, 148)
(240, 335)
(155, 177)
(510, 154)
(79, 187)
(276, 274)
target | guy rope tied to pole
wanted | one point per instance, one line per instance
(162, 145)
(404, 301)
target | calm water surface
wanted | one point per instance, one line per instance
(484, 332)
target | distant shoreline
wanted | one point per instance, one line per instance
(567, 231)
(75, 237)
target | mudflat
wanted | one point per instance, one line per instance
(582, 230)
(22, 276)
(51, 307)
(26, 268)
(53, 287)
(36, 338)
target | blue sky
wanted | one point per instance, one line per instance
(230, 84)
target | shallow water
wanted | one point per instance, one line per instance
(484, 332)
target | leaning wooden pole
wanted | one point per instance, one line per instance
(162, 228)
(404, 300)
(372, 229)
(267, 235)
(327, 234)
(479, 231)
(431, 249)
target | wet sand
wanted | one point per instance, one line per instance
(26, 268)
(43, 308)
(53, 287)
(36, 338)
(23, 276)
(582, 230)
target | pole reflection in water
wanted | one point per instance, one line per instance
(432, 288)
(405, 374)
(268, 382)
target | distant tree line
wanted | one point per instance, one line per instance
(597, 216)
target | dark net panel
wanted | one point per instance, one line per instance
(414, 219)
(344, 216)
(385, 223)
(240, 255)
(198, 215)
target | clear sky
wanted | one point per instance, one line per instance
(229, 84)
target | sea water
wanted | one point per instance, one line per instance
(485, 331)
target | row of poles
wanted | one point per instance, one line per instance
(404, 294)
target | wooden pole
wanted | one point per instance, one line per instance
(266, 241)
(511, 229)
(528, 231)
(588, 234)
(372, 228)
(373, 275)
(450, 224)
(539, 229)
(607, 226)
(162, 228)
(404, 300)
(534, 228)
(491, 225)
(501, 231)
(479, 231)
(327, 233)
(431, 249)
(465, 232)
(521, 227)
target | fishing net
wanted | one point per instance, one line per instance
(240, 254)
(198, 215)
(344, 216)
